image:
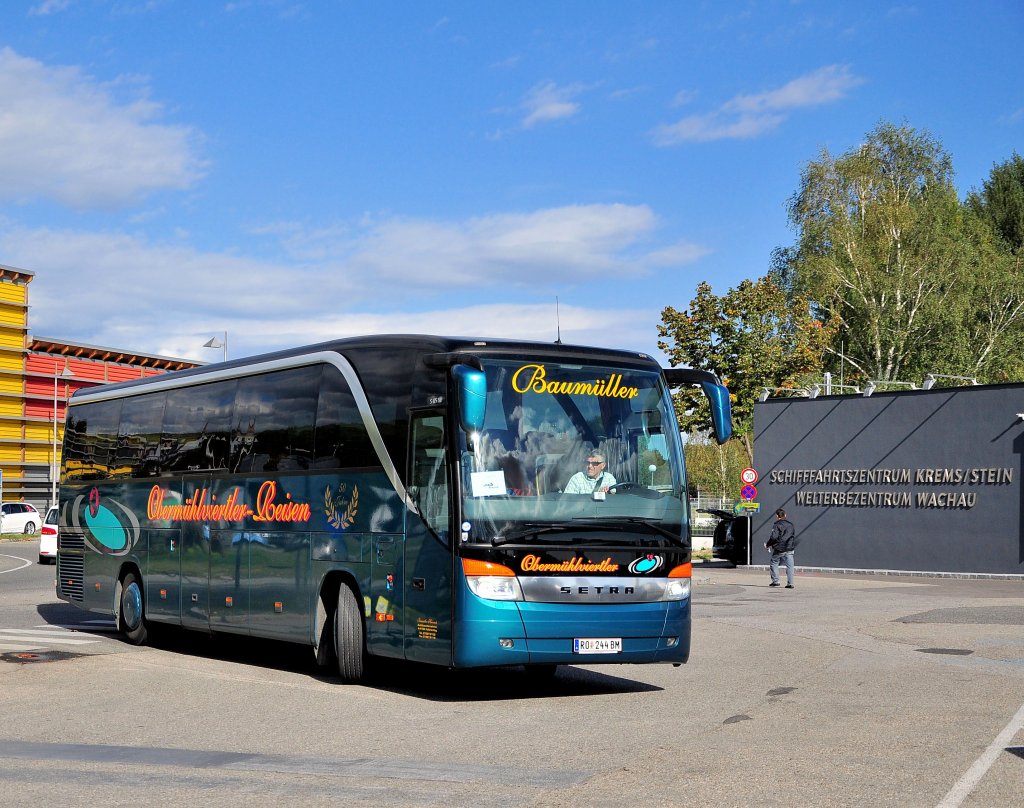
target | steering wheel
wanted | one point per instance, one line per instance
(636, 489)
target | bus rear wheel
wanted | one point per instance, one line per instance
(130, 612)
(348, 637)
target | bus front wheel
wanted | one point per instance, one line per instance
(130, 614)
(348, 636)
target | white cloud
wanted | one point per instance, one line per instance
(684, 252)
(747, 116)
(820, 87)
(684, 97)
(49, 7)
(65, 137)
(617, 327)
(547, 102)
(380, 274)
(516, 249)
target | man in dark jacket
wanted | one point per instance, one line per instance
(781, 544)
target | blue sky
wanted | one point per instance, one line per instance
(295, 171)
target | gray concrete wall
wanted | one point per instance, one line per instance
(919, 481)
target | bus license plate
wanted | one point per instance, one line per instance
(597, 645)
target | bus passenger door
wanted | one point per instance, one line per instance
(384, 628)
(428, 550)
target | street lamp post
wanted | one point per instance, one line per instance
(213, 342)
(65, 374)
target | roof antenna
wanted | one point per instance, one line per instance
(558, 323)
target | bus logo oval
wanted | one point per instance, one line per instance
(648, 563)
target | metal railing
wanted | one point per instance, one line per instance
(703, 524)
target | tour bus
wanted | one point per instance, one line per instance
(395, 496)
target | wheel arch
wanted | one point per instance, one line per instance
(326, 605)
(128, 566)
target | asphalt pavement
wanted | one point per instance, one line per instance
(847, 690)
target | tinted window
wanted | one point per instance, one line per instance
(91, 440)
(388, 374)
(138, 438)
(196, 433)
(341, 438)
(428, 477)
(273, 420)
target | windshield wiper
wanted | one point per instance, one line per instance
(538, 528)
(619, 522)
(588, 523)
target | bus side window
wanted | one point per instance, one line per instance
(92, 440)
(428, 475)
(341, 440)
(197, 428)
(138, 439)
(273, 420)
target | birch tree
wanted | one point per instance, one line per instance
(878, 247)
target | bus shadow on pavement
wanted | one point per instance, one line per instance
(496, 684)
(398, 676)
(64, 614)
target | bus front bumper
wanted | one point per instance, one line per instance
(526, 633)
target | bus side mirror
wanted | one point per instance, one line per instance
(718, 397)
(472, 392)
(721, 410)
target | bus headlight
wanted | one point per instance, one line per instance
(494, 587)
(491, 581)
(676, 589)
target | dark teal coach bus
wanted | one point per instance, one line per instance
(395, 496)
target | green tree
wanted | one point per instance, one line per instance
(874, 247)
(996, 324)
(1001, 204)
(713, 469)
(908, 279)
(753, 337)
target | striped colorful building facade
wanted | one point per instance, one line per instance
(37, 375)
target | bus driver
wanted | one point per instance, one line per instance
(595, 478)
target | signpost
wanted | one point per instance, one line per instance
(748, 494)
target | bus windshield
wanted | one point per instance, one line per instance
(573, 449)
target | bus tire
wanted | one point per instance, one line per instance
(130, 614)
(348, 637)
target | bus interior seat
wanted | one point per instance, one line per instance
(559, 472)
(617, 457)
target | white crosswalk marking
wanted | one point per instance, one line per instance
(47, 631)
(41, 637)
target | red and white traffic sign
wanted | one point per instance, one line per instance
(749, 476)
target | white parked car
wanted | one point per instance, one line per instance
(19, 517)
(48, 539)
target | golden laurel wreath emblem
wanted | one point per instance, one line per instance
(341, 511)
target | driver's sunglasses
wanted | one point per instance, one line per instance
(594, 462)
